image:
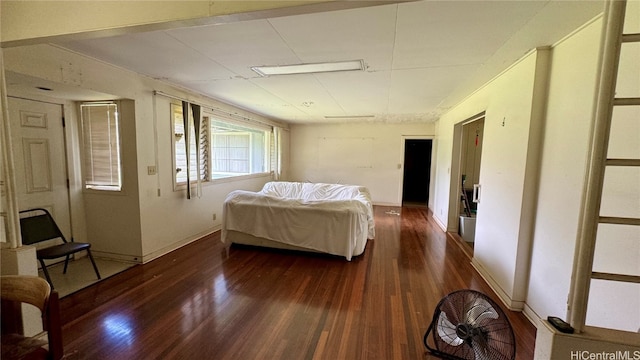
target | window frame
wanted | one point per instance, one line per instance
(267, 131)
(208, 118)
(104, 189)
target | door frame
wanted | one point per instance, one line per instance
(403, 139)
(73, 171)
(456, 170)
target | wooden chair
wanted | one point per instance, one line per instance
(18, 289)
(39, 226)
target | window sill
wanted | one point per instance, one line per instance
(183, 186)
(240, 177)
(103, 191)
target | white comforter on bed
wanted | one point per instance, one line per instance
(331, 218)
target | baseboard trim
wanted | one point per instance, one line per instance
(133, 259)
(532, 316)
(386, 204)
(513, 305)
(439, 222)
(167, 249)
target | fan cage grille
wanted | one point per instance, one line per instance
(492, 335)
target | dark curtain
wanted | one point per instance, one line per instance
(187, 134)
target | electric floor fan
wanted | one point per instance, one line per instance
(468, 325)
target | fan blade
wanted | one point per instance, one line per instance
(479, 310)
(447, 331)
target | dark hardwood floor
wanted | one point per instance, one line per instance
(197, 303)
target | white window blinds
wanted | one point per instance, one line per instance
(101, 150)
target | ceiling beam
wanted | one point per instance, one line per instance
(37, 22)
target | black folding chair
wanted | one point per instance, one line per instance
(39, 226)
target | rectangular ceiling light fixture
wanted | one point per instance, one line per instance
(353, 65)
(349, 116)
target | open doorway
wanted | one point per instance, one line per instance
(472, 135)
(417, 172)
(471, 156)
(465, 178)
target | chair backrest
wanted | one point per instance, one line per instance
(33, 290)
(16, 289)
(39, 227)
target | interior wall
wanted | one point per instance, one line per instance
(118, 233)
(164, 217)
(571, 91)
(507, 168)
(508, 104)
(74, 169)
(367, 154)
(573, 77)
(285, 157)
(171, 215)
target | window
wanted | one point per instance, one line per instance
(227, 148)
(101, 150)
(237, 150)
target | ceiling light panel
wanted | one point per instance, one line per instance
(352, 65)
(349, 116)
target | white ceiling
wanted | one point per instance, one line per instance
(421, 57)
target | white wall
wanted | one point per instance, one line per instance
(154, 224)
(113, 219)
(170, 216)
(500, 250)
(507, 239)
(367, 154)
(571, 92)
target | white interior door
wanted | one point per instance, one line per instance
(38, 145)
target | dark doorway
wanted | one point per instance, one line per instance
(417, 172)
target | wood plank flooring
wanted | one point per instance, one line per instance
(199, 303)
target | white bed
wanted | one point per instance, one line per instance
(328, 218)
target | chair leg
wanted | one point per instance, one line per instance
(66, 262)
(93, 263)
(54, 328)
(46, 273)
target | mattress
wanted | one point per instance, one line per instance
(329, 218)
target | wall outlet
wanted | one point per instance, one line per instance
(151, 170)
(214, 216)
